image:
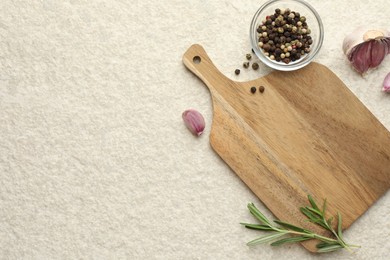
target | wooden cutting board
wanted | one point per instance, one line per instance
(307, 133)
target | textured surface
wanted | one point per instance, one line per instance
(95, 160)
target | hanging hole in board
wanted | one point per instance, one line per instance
(196, 59)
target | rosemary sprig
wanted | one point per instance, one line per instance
(297, 234)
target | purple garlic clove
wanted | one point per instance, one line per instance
(194, 121)
(366, 49)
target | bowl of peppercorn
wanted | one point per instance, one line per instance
(286, 35)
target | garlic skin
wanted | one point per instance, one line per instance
(194, 121)
(386, 84)
(366, 48)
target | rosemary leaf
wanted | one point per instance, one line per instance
(329, 248)
(291, 227)
(312, 202)
(325, 244)
(257, 226)
(339, 226)
(330, 220)
(290, 240)
(260, 216)
(265, 239)
(316, 212)
(312, 218)
(307, 213)
(324, 207)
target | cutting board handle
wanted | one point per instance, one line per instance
(197, 61)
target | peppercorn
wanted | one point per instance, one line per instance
(255, 66)
(266, 46)
(248, 56)
(284, 36)
(253, 90)
(237, 71)
(246, 64)
(261, 89)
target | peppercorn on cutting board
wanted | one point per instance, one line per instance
(305, 134)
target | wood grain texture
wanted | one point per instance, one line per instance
(306, 134)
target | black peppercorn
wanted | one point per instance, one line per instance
(255, 66)
(246, 64)
(237, 71)
(253, 90)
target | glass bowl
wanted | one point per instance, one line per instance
(313, 21)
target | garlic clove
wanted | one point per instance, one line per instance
(378, 53)
(386, 84)
(366, 49)
(360, 58)
(194, 121)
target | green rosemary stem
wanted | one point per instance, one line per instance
(311, 235)
(299, 234)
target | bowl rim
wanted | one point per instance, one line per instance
(291, 66)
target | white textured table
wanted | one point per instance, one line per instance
(95, 160)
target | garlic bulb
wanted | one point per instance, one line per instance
(366, 48)
(194, 121)
(386, 83)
